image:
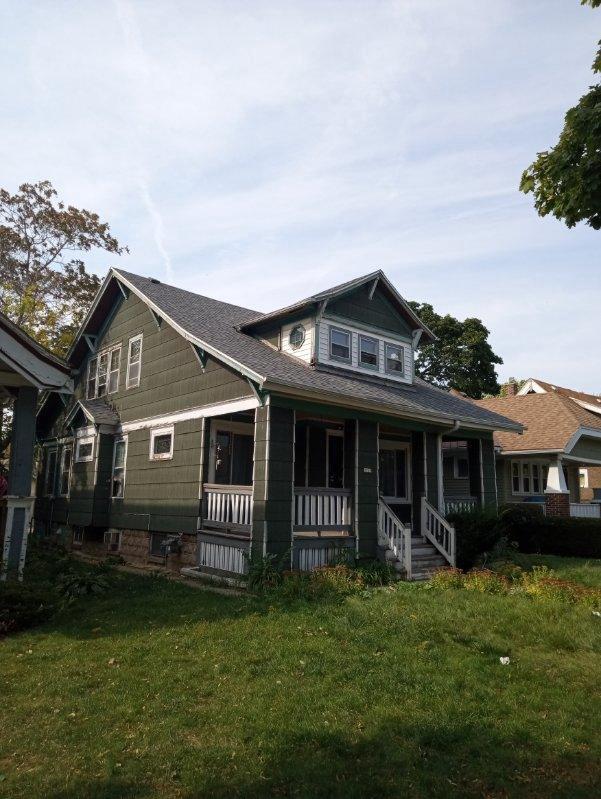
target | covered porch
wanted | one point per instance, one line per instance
(308, 484)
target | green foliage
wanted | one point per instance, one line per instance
(478, 531)
(44, 287)
(462, 358)
(551, 535)
(23, 605)
(73, 585)
(265, 571)
(539, 583)
(566, 180)
(336, 581)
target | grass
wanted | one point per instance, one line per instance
(156, 689)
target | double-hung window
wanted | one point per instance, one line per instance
(395, 359)
(50, 479)
(114, 364)
(84, 450)
(119, 462)
(134, 361)
(103, 373)
(161, 444)
(368, 352)
(340, 345)
(528, 477)
(65, 471)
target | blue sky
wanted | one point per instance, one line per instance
(260, 151)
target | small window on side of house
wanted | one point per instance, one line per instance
(134, 361)
(103, 368)
(395, 359)
(161, 443)
(368, 352)
(50, 480)
(65, 471)
(92, 367)
(114, 365)
(119, 463)
(84, 451)
(156, 544)
(340, 345)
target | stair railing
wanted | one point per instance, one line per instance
(394, 535)
(438, 531)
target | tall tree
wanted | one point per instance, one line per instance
(462, 358)
(566, 180)
(44, 285)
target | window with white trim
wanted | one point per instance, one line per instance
(84, 450)
(368, 352)
(161, 443)
(340, 344)
(119, 463)
(103, 373)
(134, 361)
(50, 477)
(394, 359)
(528, 477)
(64, 479)
(583, 478)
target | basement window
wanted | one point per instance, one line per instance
(161, 443)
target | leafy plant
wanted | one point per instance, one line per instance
(265, 571)
(23, 606)
(478, 531)
(73, 585)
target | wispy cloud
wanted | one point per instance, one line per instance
(257, 151)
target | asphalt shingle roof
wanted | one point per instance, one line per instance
(216, 323)
(100, 411)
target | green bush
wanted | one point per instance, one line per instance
(73, 585)
(23, 606)
(551, 535)
(477, 531)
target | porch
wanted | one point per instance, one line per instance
(310, 487)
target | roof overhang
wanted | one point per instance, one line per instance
(24, 363)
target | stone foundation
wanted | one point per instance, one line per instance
(135, 549)
(557, 504)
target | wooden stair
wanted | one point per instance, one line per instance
(425, 559)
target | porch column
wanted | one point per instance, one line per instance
(273, 484)
(426, 476)
(19, 501)
(366, 487)
(483, 478)
(557, 496)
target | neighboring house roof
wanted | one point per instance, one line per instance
(551, 421)
(591, 402)
(215, 326)
(97, 411)
(375, 278)
(22, 355)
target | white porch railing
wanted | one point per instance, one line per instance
(460, 505)
(437, 530)
(393, 535)
(585, 510)
(322, 509)
(228, 506)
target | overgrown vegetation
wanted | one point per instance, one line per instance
(549, 535)
(155, 689)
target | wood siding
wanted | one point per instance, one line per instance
(367, 488)
(305, 351)
(377, 312)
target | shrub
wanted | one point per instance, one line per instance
(338, 580)
(477, 531)
(265, 571)
(73, 585)
(23, 606)
(551, 535)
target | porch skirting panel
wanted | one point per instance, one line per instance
(312, 553)
(223, 554)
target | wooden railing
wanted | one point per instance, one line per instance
(228, 507)
(437, 530)
(393, 535)
(585, 510)
(324, 509)
(463, 505)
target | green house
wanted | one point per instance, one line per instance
(200, 433)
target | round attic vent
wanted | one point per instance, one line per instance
(296, 338)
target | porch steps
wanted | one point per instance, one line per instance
(425, 559)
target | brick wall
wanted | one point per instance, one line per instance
(557, 504)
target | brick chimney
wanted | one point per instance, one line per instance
(509, 389)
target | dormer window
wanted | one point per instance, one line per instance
(340, 345)
(368, 352)
(395, 361)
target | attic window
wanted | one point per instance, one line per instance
(395, 361)
(340, 345)
(368, 352)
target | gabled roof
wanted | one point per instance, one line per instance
(96, 411)
(215, 327)
(375, 278)
(592, 402)
(551, 421)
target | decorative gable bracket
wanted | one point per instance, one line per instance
(201, 355)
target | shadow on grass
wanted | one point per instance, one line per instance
(435, 759)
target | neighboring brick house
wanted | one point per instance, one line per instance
(201, 433)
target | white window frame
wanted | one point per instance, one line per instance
(394, 372)
(108, 351)
(375, 367)
(583, 477)
(61, 471)
(47, 493)
(161, 431)
(128, 384)
(118, 441)
(349, 335)
(542, 465)
(86, 458)
(396, 445)
(456, 475)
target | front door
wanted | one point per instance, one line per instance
(395, 477)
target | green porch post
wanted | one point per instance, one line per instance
(273, 482)
(19, 501)
(426, 474)
(366, 487)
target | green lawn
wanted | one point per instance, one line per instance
(160, 690)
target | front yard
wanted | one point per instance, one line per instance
(158, 689)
